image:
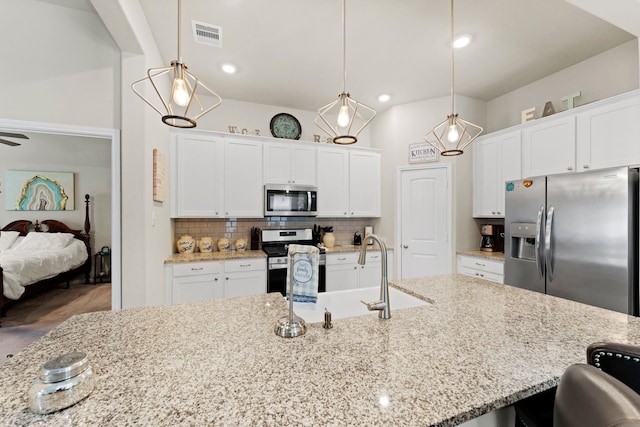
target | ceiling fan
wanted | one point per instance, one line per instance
(11, 135)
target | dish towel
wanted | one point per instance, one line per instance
(304, 273)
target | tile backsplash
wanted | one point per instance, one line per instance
(240, 228)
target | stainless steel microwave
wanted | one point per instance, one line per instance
(290, 200)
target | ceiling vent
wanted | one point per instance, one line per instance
(207, 33)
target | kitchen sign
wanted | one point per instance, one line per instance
(422, 152)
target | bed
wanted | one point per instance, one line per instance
(39, 256)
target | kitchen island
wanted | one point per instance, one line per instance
(477, 347)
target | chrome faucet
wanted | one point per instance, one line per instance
(383, 306)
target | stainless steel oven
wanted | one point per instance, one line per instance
(275, 244)
(290, 200)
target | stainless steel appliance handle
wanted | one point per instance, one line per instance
(548, 247)
(309, 201)
(539, 255)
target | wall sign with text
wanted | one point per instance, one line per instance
(422, 152)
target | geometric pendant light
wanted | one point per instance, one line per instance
(451, 136)
(181, 106)
(352, 116)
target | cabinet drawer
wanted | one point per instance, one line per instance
(486, 265)
(480, 274)
(342, 258)
(195, 268)
(251, 264)
(375, 257)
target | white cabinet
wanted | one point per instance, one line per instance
(214, 177)
(364, 184)
(290, 163)
(482, 268)
(349, 183)
(549, 147)
(609, 135)
(245, 277)
(201, 281)
(243, 196)
(496, 159)
(198, 281)
(333, 179)
(344, 272)
(196, 171)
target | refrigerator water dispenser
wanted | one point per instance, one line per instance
(523, 239)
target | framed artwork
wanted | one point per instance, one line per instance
(39, 191)
(422, 152)
(159, 176)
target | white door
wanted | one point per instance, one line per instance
(425, 209)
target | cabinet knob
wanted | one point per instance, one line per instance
(215, 280)
(351, 213)
(226, 278)
(345, 213)
(405, 246)
(355, 267)
(493, 212)
(585, 166)
(570, 168)
(498, 212)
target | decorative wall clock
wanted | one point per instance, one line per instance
(286, 126)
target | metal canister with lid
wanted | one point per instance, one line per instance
(62, 382)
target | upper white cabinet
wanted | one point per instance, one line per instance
(243, 196)
(215, 177)
(197, 168)
(549, 147)
(290, 163)
(348, 183)
(496, 159)
(333, 179)
(609, 135)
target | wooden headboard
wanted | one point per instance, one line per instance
(24, 226)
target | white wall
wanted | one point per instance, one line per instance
(90, 161)
(611, 73)
(406, 124)
(60, 65)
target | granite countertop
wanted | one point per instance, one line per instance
(498, 256)
(214, 256)
(478, 347)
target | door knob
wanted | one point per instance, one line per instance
(405, 246)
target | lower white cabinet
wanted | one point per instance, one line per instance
(245, 277)
(482, 268)
(344, 272)
(201, 281)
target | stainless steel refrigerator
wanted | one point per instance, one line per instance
(575, 236)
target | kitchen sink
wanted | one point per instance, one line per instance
(343, 304)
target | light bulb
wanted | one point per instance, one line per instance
(343, 116)
(180, 94)
(452, 133)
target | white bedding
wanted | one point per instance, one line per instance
(23, 267)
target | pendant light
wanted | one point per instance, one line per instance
(453, 135)
(181, 107)
(353, 116)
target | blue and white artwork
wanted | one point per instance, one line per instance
(39, 191)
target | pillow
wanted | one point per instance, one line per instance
(7, 238)
(44, 241)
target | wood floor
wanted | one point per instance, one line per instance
(57, 305)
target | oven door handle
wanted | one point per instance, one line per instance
(277, 266)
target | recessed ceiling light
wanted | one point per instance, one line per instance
(384, 97)
(462, 41)
(229, 68)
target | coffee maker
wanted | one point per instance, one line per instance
(492, 238)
